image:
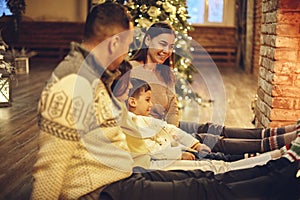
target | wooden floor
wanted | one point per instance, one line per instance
(231, 90)
(19, 131)
(18, 124)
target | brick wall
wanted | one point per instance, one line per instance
(279, 64)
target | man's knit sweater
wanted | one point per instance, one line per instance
(82, 147)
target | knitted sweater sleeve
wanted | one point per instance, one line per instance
(54, 156)
(79, 135)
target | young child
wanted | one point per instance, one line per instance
(139, 103)
(168, 146)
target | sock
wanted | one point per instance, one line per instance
(272, 143)
(269, 132)
(293, 153)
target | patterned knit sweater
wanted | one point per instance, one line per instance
(82, 147)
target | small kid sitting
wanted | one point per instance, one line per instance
(167, 145)
(139, 103)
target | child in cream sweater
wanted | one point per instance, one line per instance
(168, 146)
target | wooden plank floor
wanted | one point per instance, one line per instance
(232, 93)
(18, 123)
(19, 131)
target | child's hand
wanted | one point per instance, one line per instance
(203, 148)
(187, 156)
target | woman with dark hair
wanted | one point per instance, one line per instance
(152, 63)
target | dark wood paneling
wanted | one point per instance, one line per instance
(51, 40)
(218, 42)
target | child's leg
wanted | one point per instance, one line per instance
(238, 146)
(279, 131)
(247, 133)
(277, 141)
(258, 133)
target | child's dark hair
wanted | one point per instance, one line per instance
(138, 86)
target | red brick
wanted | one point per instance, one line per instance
(282, 79)
(286, 55)
(287, 29)
(278, 123)
(288, 42)
(297, 81)
(283, 103)
(297, 69)
(288, 18)
(289, 4)
(282, 67)
(283, 114)
(285, 91)
(297, 104)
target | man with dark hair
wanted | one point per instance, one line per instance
(76, 110)
(83, 151)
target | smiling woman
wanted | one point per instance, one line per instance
(152, 63)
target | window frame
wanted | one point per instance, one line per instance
(228, 15)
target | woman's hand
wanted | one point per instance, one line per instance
(187, 156)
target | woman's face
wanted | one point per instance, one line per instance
(160, 48)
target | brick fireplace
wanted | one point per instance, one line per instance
(278, 91)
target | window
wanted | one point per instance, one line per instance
(4, 10)
(211, 12)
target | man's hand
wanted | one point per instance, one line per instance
(202, 148)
